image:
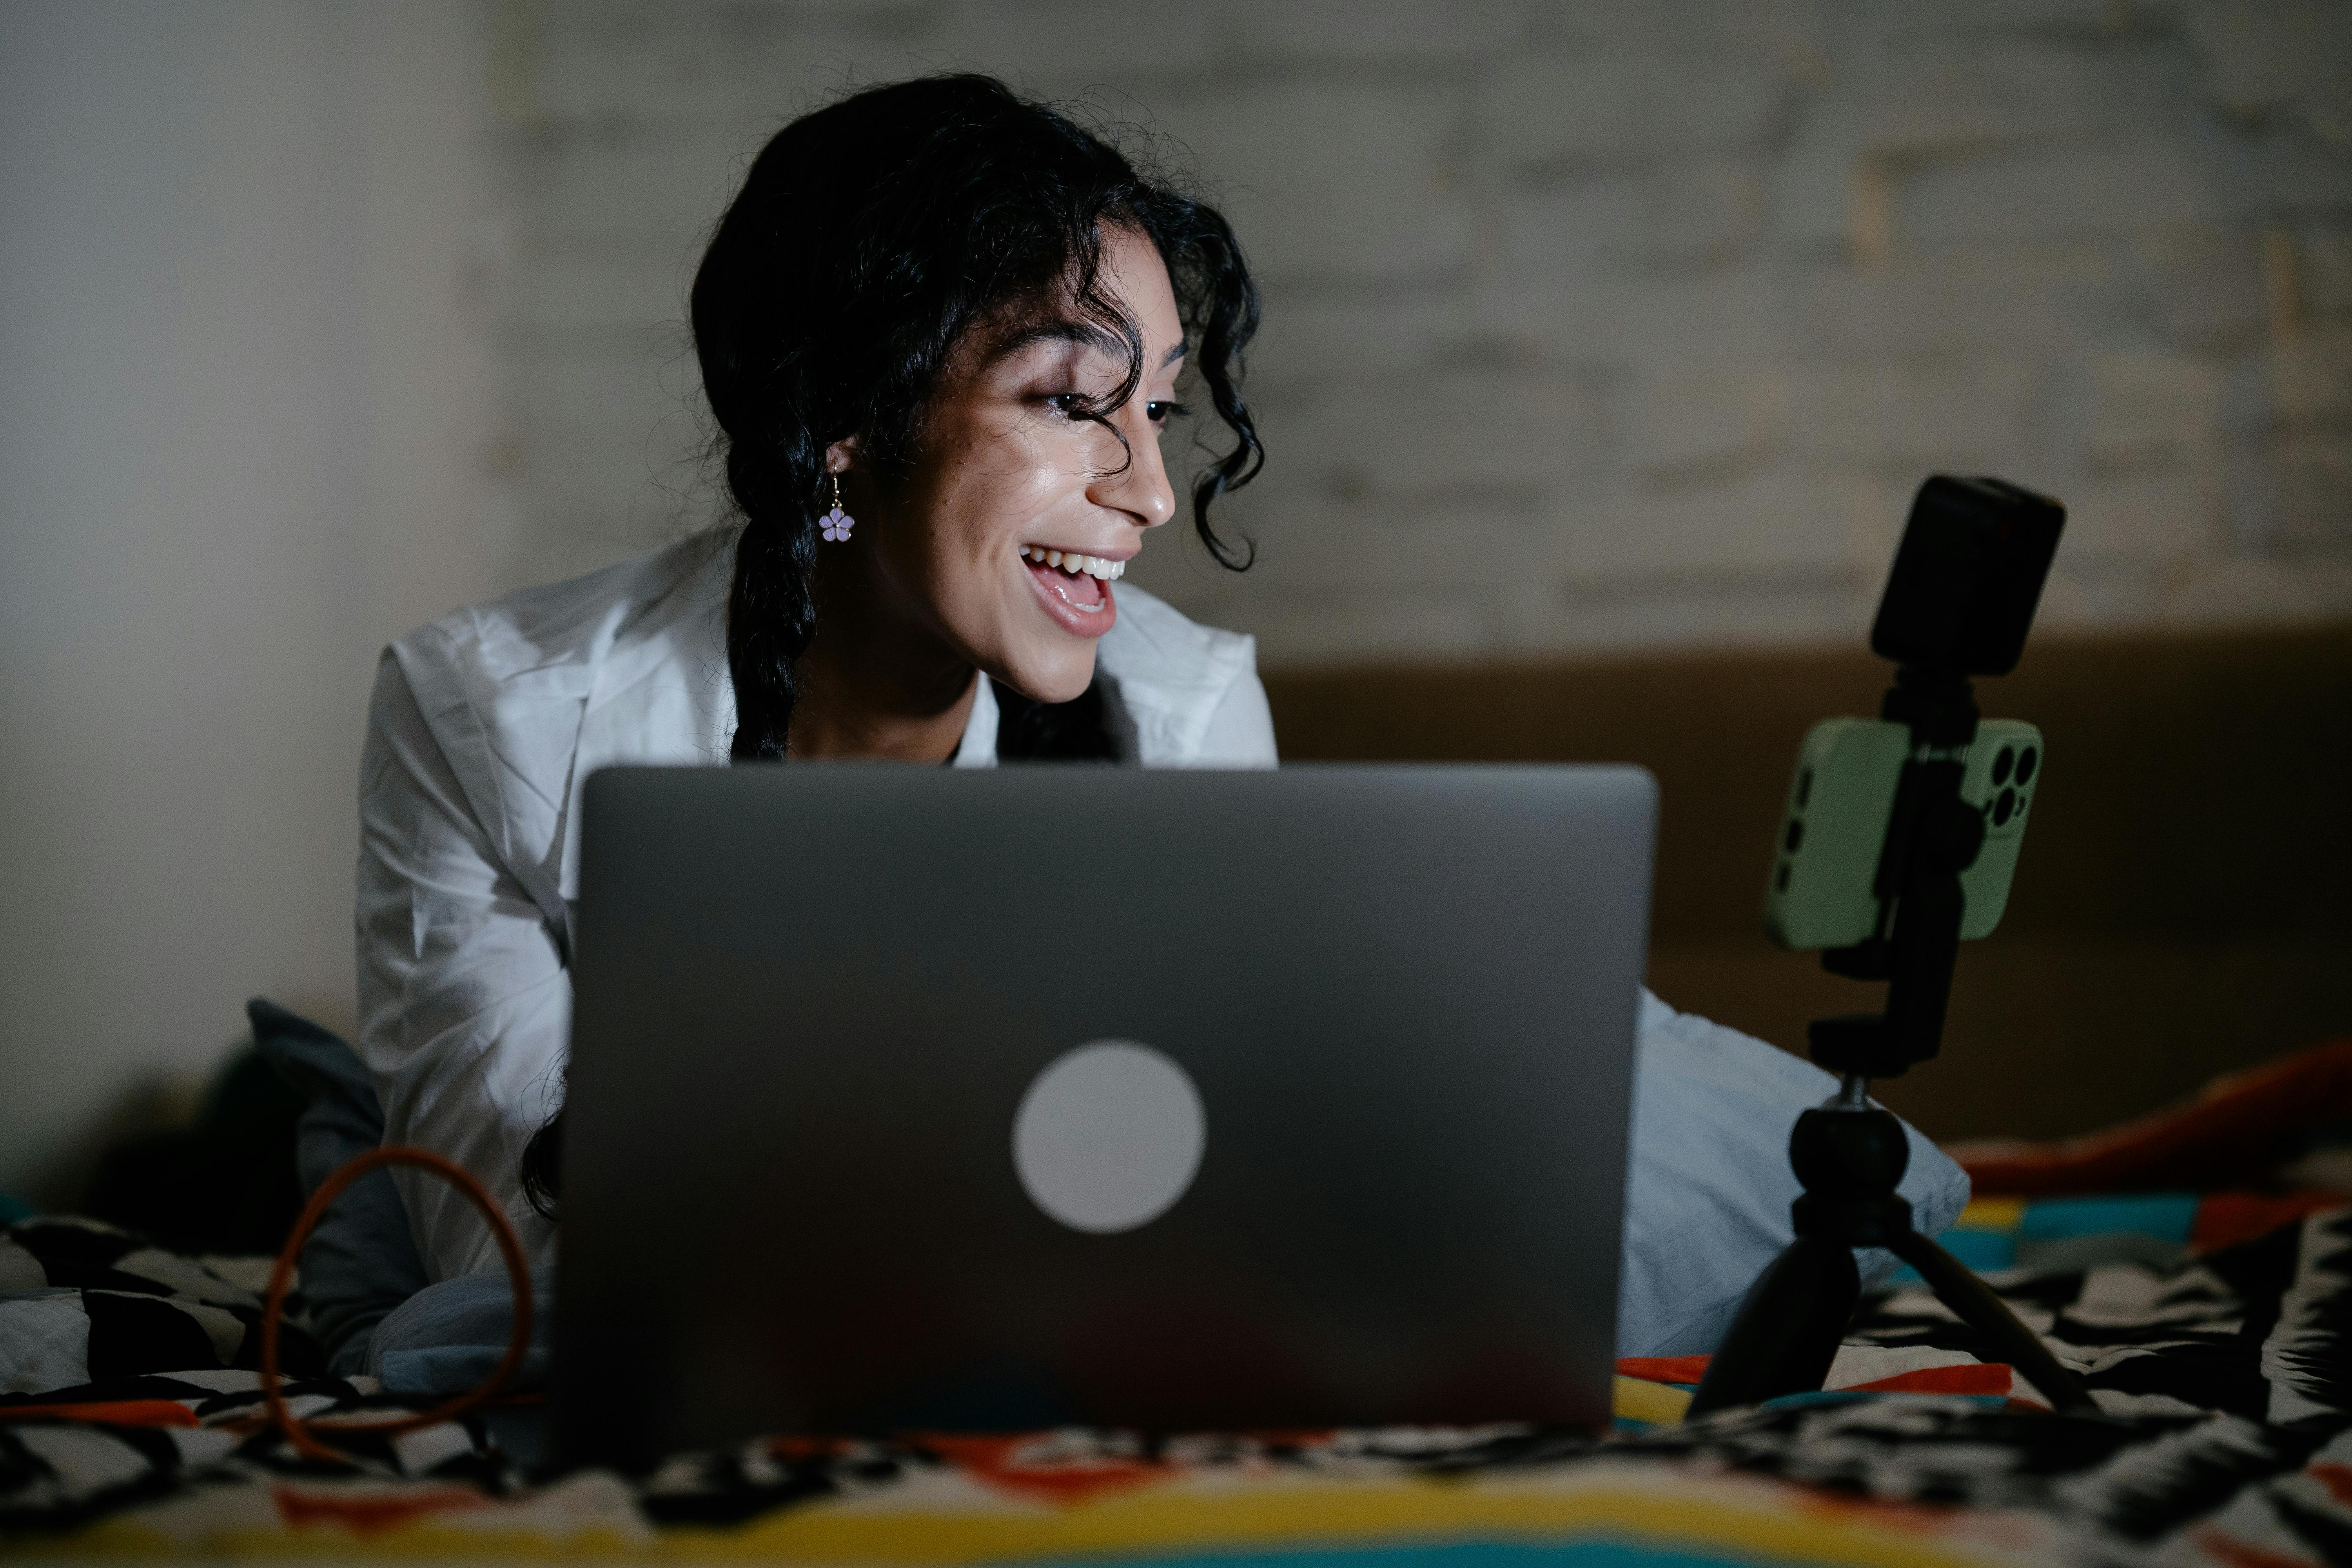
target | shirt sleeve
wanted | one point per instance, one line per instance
(1241, 727)
(465, 1005)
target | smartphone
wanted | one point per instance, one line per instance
(1818, 891)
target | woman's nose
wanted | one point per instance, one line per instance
(1138, 486)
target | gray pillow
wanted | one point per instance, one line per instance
(361, 1261)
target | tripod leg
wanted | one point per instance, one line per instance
(1788, 1329)
(1988, 1315)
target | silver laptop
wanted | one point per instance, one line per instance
(910, 1098)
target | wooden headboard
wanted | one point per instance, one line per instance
(2184, 903)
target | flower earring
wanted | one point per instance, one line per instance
(836, 523)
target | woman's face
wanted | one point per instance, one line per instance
(1005, 480)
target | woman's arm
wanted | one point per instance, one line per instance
(465, 1005)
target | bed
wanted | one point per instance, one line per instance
(2214, 1326)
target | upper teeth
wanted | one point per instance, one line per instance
(1071, 561)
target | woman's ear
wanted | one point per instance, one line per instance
(842, 456)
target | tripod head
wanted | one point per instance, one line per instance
(1958, 603)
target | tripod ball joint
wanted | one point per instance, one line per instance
(1849, 1153)
(1850, 1162)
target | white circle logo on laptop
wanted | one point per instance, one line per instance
(1108, 1136)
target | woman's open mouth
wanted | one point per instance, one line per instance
(1075, 587)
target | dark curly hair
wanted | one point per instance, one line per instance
(869, 239)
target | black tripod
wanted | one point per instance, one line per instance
(1848, 1154)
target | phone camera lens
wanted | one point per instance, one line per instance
(2002, 764)
(1781, 881)
(2004, 807)
(2027, 764)
(1795, 835)
(1804, 786)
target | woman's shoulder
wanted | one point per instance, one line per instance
(509, 695)
(506, 689)
(1171, 676)
(554, 635)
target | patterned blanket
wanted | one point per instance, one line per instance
(2216, 1333)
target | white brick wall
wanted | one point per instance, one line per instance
(1589, 323)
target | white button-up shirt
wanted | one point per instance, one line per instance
(485, 726)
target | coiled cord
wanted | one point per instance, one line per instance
(281, 1278)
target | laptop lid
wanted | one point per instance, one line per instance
(923, 1098)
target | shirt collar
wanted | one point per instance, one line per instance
(978, 747)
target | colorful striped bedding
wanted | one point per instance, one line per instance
(2213, 1328)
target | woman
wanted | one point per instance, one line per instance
(940, 332)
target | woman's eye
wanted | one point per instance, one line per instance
(1077, 405)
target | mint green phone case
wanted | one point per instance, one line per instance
(1819, 890)
(2004, 774)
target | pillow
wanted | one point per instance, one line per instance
(1708, 1185)
(361, 1261)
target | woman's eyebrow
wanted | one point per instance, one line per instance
(1079, 332)
(1059, 331)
